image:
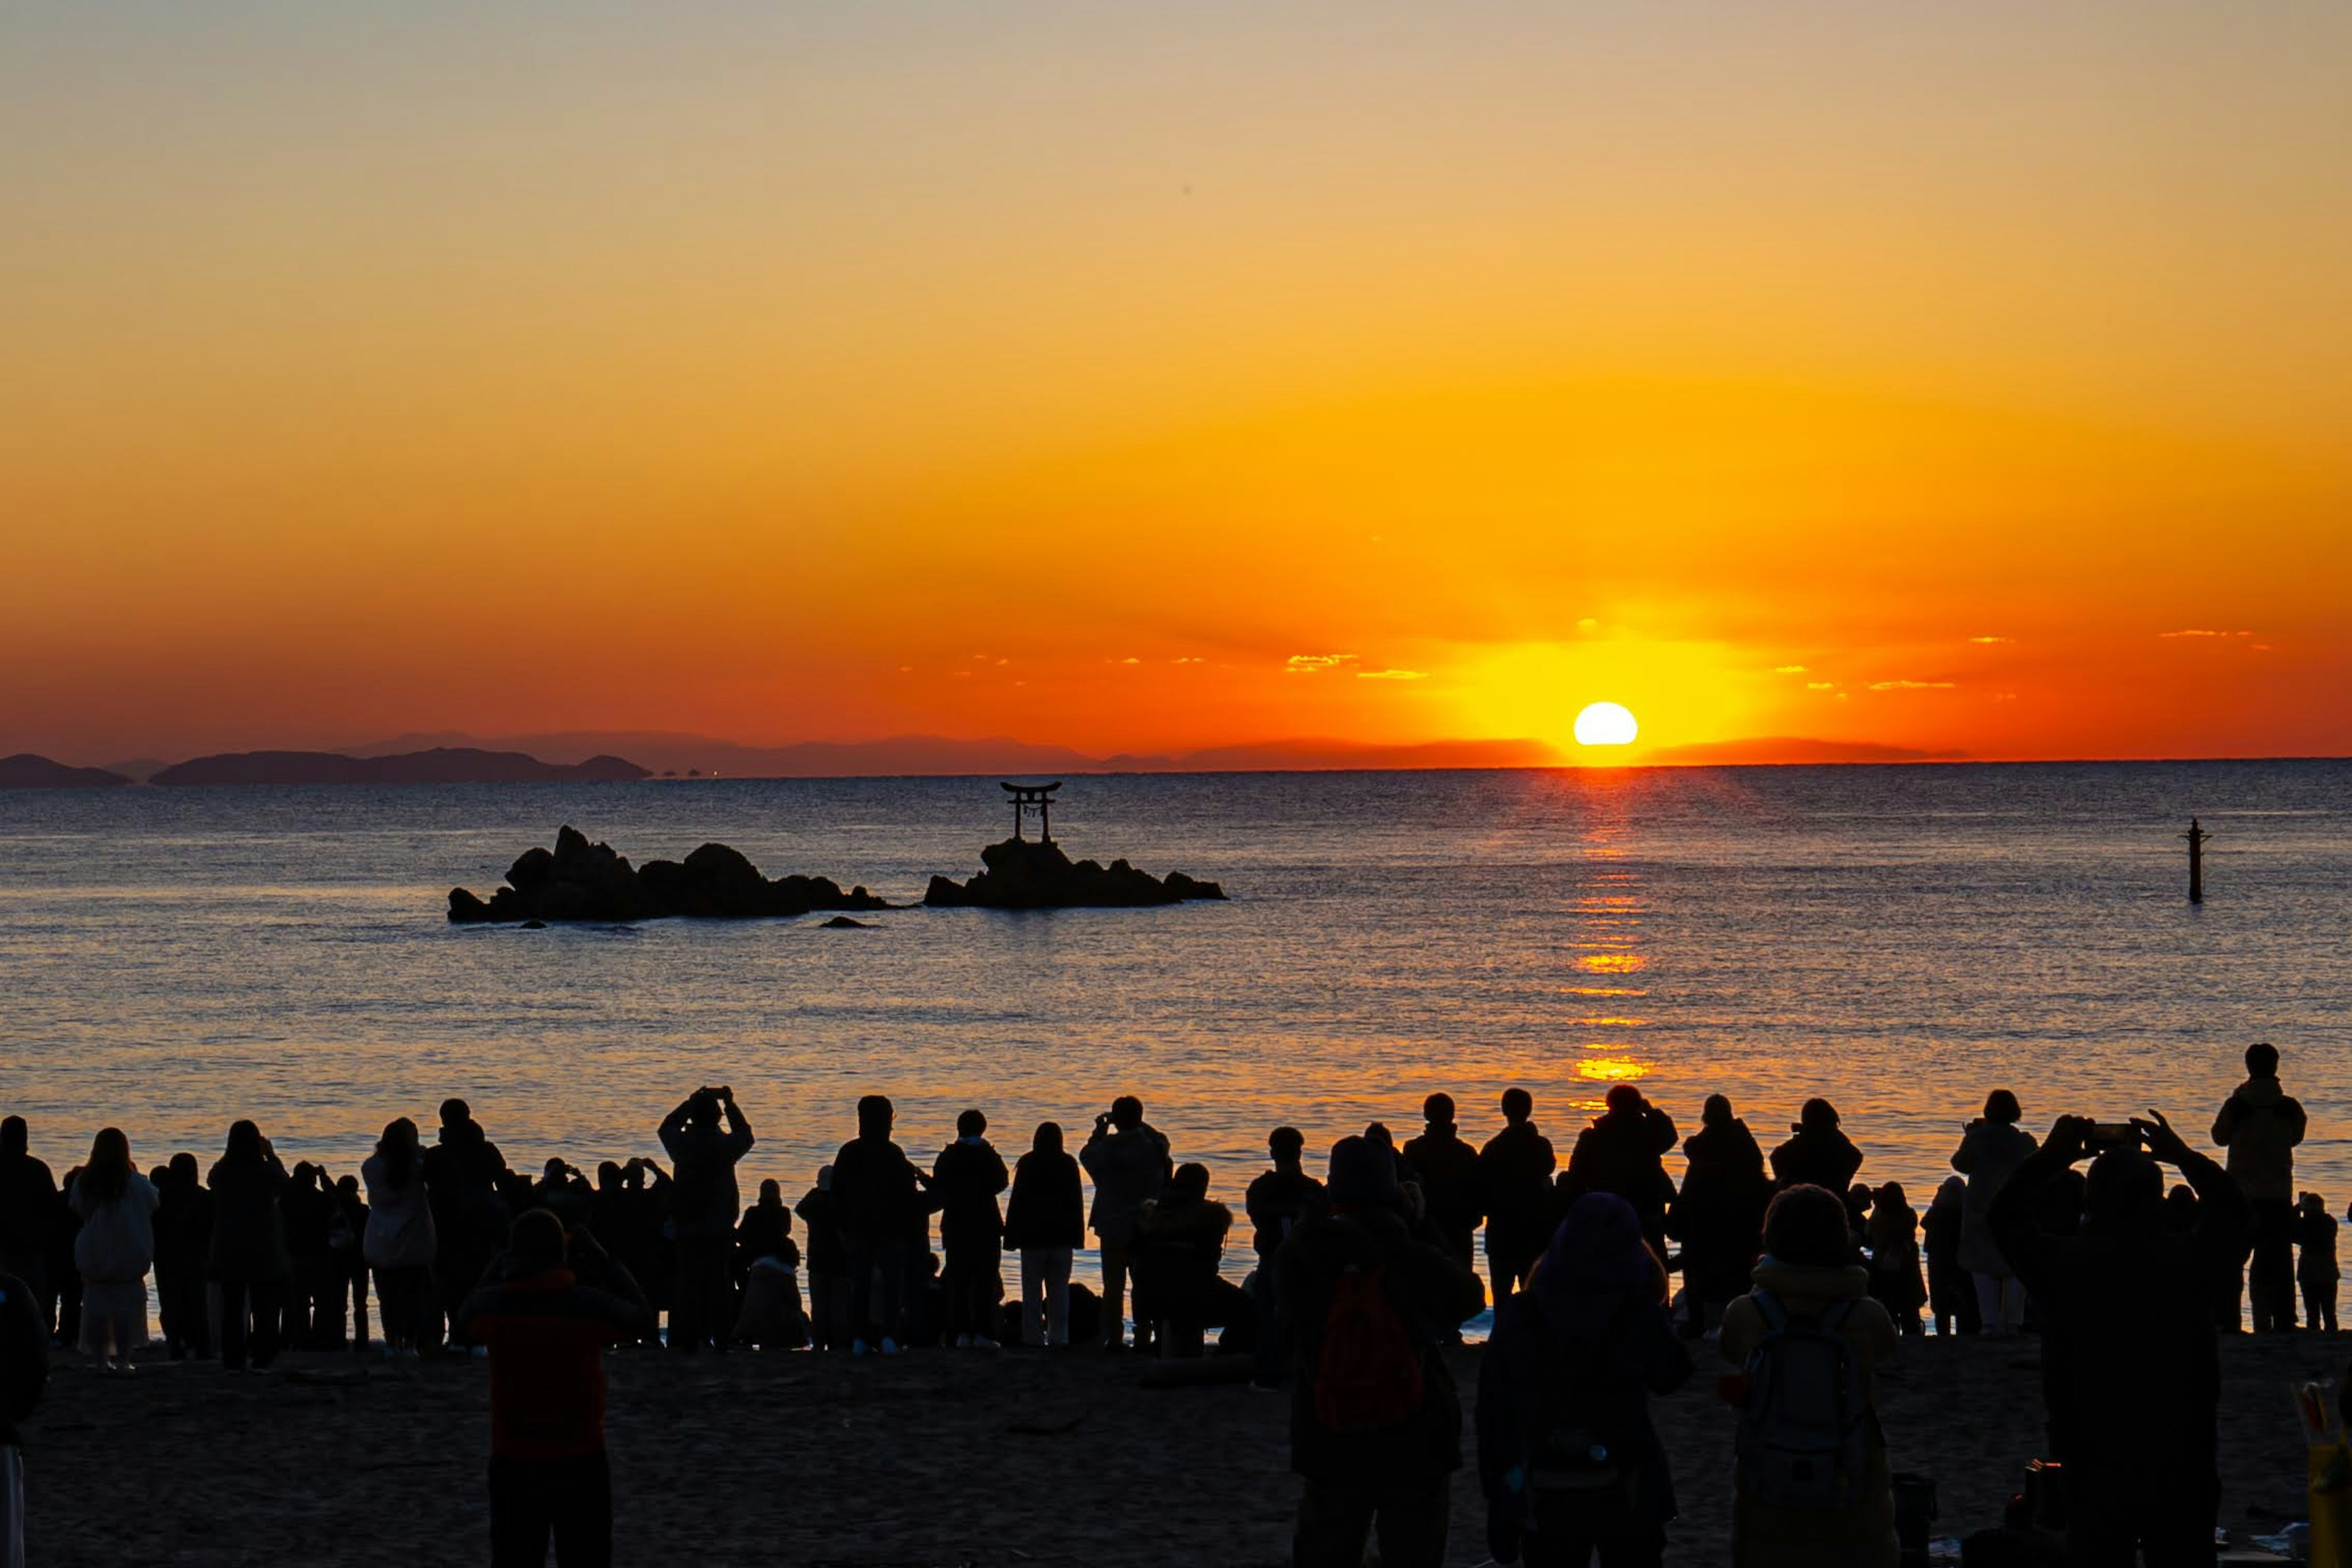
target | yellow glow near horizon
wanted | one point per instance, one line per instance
(1606, 724)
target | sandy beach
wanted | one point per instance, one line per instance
(933, 1459)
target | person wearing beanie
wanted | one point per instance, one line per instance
(1375, 1419)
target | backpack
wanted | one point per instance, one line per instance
(1368, 1374)
(1804, 1438)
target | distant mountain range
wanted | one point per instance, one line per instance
(442, 764)
(26, 771)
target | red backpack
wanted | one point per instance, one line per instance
(1368, 1374)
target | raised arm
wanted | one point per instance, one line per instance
(738, 1128)
(2224, 1230)
(2029, 1249)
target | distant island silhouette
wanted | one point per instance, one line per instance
(578, 880)
(26, 771)
(441, 765)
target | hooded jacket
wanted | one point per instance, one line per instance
(1988, 1151)
(2260, 1124)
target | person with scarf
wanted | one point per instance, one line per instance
(1569, 1458)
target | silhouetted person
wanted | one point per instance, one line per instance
(828, 1263)
(1817, 1152)
(1893, 1235)
(1811, 1479)
(28, 1214)
(1992, 1146)
(884, 1214)
(183, 1240)
(1951, 1293)
(704, 1138)
(1569, 1460)
(1622, 1154)
(1276, 1201)
(1378, 1134)
(767, 1266)
(2133, 1370)
(1515, 1180)
(248, 1264)
(1180, 1238)
(115, 1248)
(1375, 1421)
(2314, 1264)
(350, 1262)
(400, 1243)
(24, 1373)
(632, 1226)
(1719, 1216)
(1128, 1161)
(470, 1214)
(2260, 1125)
(309, 1213)
(564, 1191)
(965, 1180)
(547, 1319)
(1449, 1177)
(1045, 1224)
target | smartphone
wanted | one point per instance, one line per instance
(2106, 1135)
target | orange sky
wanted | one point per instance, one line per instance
(1142, 382)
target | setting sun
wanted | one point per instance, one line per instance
(1606, 724)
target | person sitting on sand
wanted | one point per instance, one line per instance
(1621, 1152)
(1893, 1235)
(767, 1265)
(1951, 1294)
(1128, 1161)
(2132, 1370)
(1992, 1146)
(1569, 1460)
(1179, 1238)
(550, 1308)
(1719, 1216)
(114, 1249)
(1805, 1340)
(1375, 1420)
(248, 1262)
(704, 1137)
(1818, 1153)
(1045, 1224)
(828, 1263)
(1449, 1177)
(400, 1243)
(965, 1180)
(2315, 1263)
(884, 1210)
(1514, 1181)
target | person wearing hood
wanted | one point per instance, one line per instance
(884, 1210)
(553, 1306)
(1180, 1238)
(1951, 1294)
(1515, 1177)
(1817, 1152)
(2131, 1363)
(965, 1179)
(1621, 1152)
(1128, 1161)
(247, 1264)
(828, 1263)
(1719, 1216)
(1449, 1177)
(1567, 1457)
(1809, 1278)
(2260, 1124)
(1992, 1146)
(1375, 1420)
(1045, 1222)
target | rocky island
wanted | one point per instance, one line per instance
(1034, 874)
(578, 880)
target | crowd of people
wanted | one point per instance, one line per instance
(1805, 1277)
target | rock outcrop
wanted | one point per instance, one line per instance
(1031, 874)
(578, 880)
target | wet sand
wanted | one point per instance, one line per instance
(941, 1457)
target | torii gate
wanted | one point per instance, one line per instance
(1033, 797)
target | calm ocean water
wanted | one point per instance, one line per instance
(1901, 939)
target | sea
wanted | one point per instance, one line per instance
(1899, 939)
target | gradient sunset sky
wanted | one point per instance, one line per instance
(1961, 377)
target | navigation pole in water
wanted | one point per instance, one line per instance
(2196, 838)
(1034, 797)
